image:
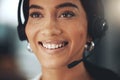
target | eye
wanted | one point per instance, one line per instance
(67, 14)
(36, 15)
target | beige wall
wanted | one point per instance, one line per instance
(112, 8)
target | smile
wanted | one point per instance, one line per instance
(53, 45)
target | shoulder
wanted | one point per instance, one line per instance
(99, 73)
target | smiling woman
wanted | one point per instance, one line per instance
(50, 38)
(59, 32)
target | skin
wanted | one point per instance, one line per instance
(53, 23)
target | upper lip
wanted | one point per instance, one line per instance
(54, 40)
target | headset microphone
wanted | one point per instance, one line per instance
(87, 53)
(74, 63)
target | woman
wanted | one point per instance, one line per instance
(59, 32)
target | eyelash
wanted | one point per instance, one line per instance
(67, 14)
(36, 15)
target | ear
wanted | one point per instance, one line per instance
(89, 46)
(89, 39)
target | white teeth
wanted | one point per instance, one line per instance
(53, 46)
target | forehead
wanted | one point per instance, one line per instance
(52, 3)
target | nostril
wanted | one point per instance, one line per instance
(52, 31)
(40, 43)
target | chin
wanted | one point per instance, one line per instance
(54, 64)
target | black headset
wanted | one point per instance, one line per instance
(97, 25)
(21, 26)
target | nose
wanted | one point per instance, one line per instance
(51, 28)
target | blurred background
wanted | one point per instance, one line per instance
(19, 64)
(107, 51)
(16, 63)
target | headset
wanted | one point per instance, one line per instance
(97, 25)
(21, 26)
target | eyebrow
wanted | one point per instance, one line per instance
(67, 4)
(35, 7)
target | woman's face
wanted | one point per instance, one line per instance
(57, 31)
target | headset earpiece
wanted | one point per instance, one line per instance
(21, 26)
(21, 32)
(97, 27)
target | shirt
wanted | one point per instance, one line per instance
(98, 73)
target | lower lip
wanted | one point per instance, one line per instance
(52, 51)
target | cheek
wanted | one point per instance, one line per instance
(77, 33)
(77, 30)
(31, 30)
(31, 33)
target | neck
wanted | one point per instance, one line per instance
(77, 73)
